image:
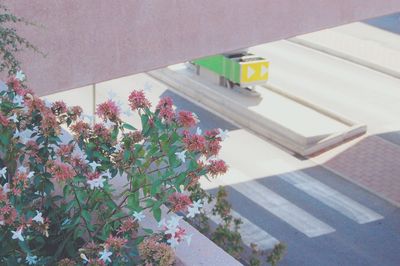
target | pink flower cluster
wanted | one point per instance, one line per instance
(3, 120)
(179, 202)
(49, 123)
(194, 143)
(115, 243)
(217, 167)
(8, 214)
(138, 100)
(75, 112)
(165, 109)
(101, 131)
(108, 110)
(187, 119)
(59, 107)
(17, 86)
(61, 171)
(80, 129)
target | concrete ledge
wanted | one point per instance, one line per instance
(238, 112)
(202, 251)
(346, 56)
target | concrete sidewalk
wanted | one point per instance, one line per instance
(359, 43)
(370, 162)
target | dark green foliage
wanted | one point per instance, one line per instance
(11, 42)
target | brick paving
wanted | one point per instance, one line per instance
(373, 163)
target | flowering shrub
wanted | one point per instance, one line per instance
(58, 199)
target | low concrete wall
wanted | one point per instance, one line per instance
(224, 104)
(91, 41)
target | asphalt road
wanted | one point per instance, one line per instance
(351, 243)
(390, 22)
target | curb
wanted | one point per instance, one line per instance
(347, 57)
(255, 121)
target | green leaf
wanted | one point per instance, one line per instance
(48, 187)
(86, 215)
(128, 126)
(24, 246)
(139, 240)
(78, 233)
(127, 155)
(133, 201)
(117, 215)
(179, 180)
(66, 190)
(148, 230)
(157, 214)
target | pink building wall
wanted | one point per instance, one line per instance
(96, 40)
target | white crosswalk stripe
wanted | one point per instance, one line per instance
(331, 197)
(283, 209)
(250, 232)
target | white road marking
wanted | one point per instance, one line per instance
(331, 197)
(250, 232)
(280, 207)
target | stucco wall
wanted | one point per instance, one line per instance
(95, 40)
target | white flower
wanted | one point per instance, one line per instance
(17, 234)
(118, 147)
(25, 109)
(17, 133)
(181, 155)
(139, 216)
(171, 231)
(38, 218)
(83, 256)
(31, 260)
(20, 75)
(14, 118)
(1, 222)
(188, 239)
(41, 193)
(161, 223)
(6, 188)
(105, 255)
(94, 165)
(66, 221)
(3, 172)
(174, 221)
(3, 86)
(30, 175)
(173, 242)
(108, 123)
(199, 131)
(22, 169)
(223, 134)
(193, 209)
(196, 118)
(18, 99)
(198, 204)
(107, 174)
(96, 183)
(24, 135)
